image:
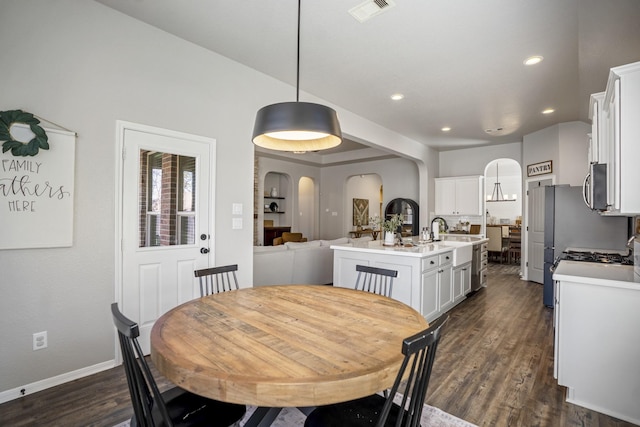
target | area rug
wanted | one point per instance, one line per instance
(291, 417)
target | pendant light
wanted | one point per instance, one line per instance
(297, 126)
(497, 195)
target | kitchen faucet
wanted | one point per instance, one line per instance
(435, 229)
(444, 222)
(630, 244)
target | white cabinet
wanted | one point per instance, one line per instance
(445, 282)
(618, 139)
(425, 280)
(429, 300)
(597, 145)
(458, 196)
(437, 286)
(461, 282)
(466, 279)
(597, 347)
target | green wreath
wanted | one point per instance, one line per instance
(19, 148)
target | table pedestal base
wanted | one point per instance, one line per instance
(265, 416)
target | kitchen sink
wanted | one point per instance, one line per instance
(462, 251)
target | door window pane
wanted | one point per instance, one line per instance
(167, 199)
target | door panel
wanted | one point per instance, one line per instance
(166, 208)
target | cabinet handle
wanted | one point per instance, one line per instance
(440, 271)
(447, 257)
(432, 262)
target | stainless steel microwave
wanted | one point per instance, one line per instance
(594, 187)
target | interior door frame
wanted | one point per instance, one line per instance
(525, 235)
(121, 127)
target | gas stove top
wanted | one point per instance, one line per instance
(608, 257)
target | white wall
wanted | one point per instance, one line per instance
(566, 144)
(400, 178)
(472, 161)
(541, 146)
(84, 66)
(362, 187)
(573, 152)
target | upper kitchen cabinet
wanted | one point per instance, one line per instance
(459, 195)
(621, 132)
(596, 141)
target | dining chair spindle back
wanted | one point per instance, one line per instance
(419, 352)
(217, 279)
(376, 280)
(172, 407)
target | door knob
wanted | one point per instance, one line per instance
(204, 251)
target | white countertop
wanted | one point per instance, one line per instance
(419, 251)
(621, 276)
(462, 237)
(471, 238)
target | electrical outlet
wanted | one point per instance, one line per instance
(40, 340)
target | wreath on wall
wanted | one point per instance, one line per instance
(19, 148)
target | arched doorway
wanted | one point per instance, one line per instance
(306, 207)
(503, 191)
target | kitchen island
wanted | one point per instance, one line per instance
(596, 352)
(432, 277)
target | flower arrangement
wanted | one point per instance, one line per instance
(391, 225)
(375, 222)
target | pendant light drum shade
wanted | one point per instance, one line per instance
(297, 126)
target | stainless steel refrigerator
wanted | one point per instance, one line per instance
(569, 223)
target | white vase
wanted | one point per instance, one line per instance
(389, 237)
(274, 192)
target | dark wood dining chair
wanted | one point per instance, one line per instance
(172, 407)
(376, 280)
(217, 279)
(419, 353)
(515, 240)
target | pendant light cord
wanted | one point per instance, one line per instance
(298, 58)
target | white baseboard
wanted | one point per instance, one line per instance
(18, 392)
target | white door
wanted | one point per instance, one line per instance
(166, 220)
(535, 230)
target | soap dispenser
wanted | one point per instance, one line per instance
(424, 237)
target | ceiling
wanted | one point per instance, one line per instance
(459, 63)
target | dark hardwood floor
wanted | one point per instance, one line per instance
(494, 368)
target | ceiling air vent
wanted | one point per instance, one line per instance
(371, 8)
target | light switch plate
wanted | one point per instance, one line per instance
(236, 224)
(236, 209)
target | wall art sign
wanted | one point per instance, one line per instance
(541, 168)
(360, 212)
(37, 189)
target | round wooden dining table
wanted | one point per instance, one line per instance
(283, 346)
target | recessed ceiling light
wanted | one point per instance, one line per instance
(548, 111)
(533, 60)
(397, 96)
(493, 130)
(446, 129)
